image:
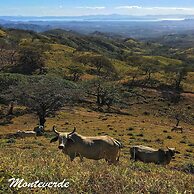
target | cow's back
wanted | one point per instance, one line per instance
(146, 154)
(94, 147)
(23, 134)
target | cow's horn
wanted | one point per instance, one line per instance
(73, 131)
(55, 130)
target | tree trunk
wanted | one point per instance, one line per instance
(98, 96)
(133, 80)
(177, 122)
(42, 120)
(74, 77)
(10, 112)
(98, 100)
(178, 83)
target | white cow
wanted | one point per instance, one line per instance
(23, 134)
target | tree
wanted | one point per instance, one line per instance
(101, 65)
(7, 81)
(30, 61)
(176, 74)
(8, 54)
(105, 93)
(147, 66)
(31, 58)
(44, 95)
(76, 70)
(179, 112)
(135, 75)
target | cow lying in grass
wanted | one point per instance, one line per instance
(23, 134)
(39, 130)
(96, 148)
(150, 155)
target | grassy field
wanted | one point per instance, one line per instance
(146, 100)
(37, 159)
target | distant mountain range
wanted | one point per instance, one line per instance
(97, 18)
(139, 27)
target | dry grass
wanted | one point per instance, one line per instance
(2, 33)
(188, 84)
(45, 163)
(37, 159)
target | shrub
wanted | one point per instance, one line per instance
(182, 141)
(191, 144)
(188, 168)
(140, 135)
(130, 129)
(146, 113)
(11, 140)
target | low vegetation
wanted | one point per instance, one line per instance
(133, 91)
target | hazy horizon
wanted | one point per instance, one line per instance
(100, 17)
(95, 7)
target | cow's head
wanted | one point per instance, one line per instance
(62, 137)
(171, 152)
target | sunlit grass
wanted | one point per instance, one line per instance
(48, 164)
(37, 159)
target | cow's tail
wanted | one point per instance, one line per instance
(120, 145)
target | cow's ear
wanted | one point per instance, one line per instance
(54, 139)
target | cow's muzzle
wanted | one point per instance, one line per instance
(61, 147)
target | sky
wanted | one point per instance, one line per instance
(94, 7)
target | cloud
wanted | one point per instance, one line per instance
(155, 8)
(128, 7)
(171, 8)
(92, 8)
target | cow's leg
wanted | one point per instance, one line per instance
(96, 162)
(72, 157)
(134, 158)
(81, 158)
(107, 160)
(133, 155)
(115, 160)
(112, 160)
